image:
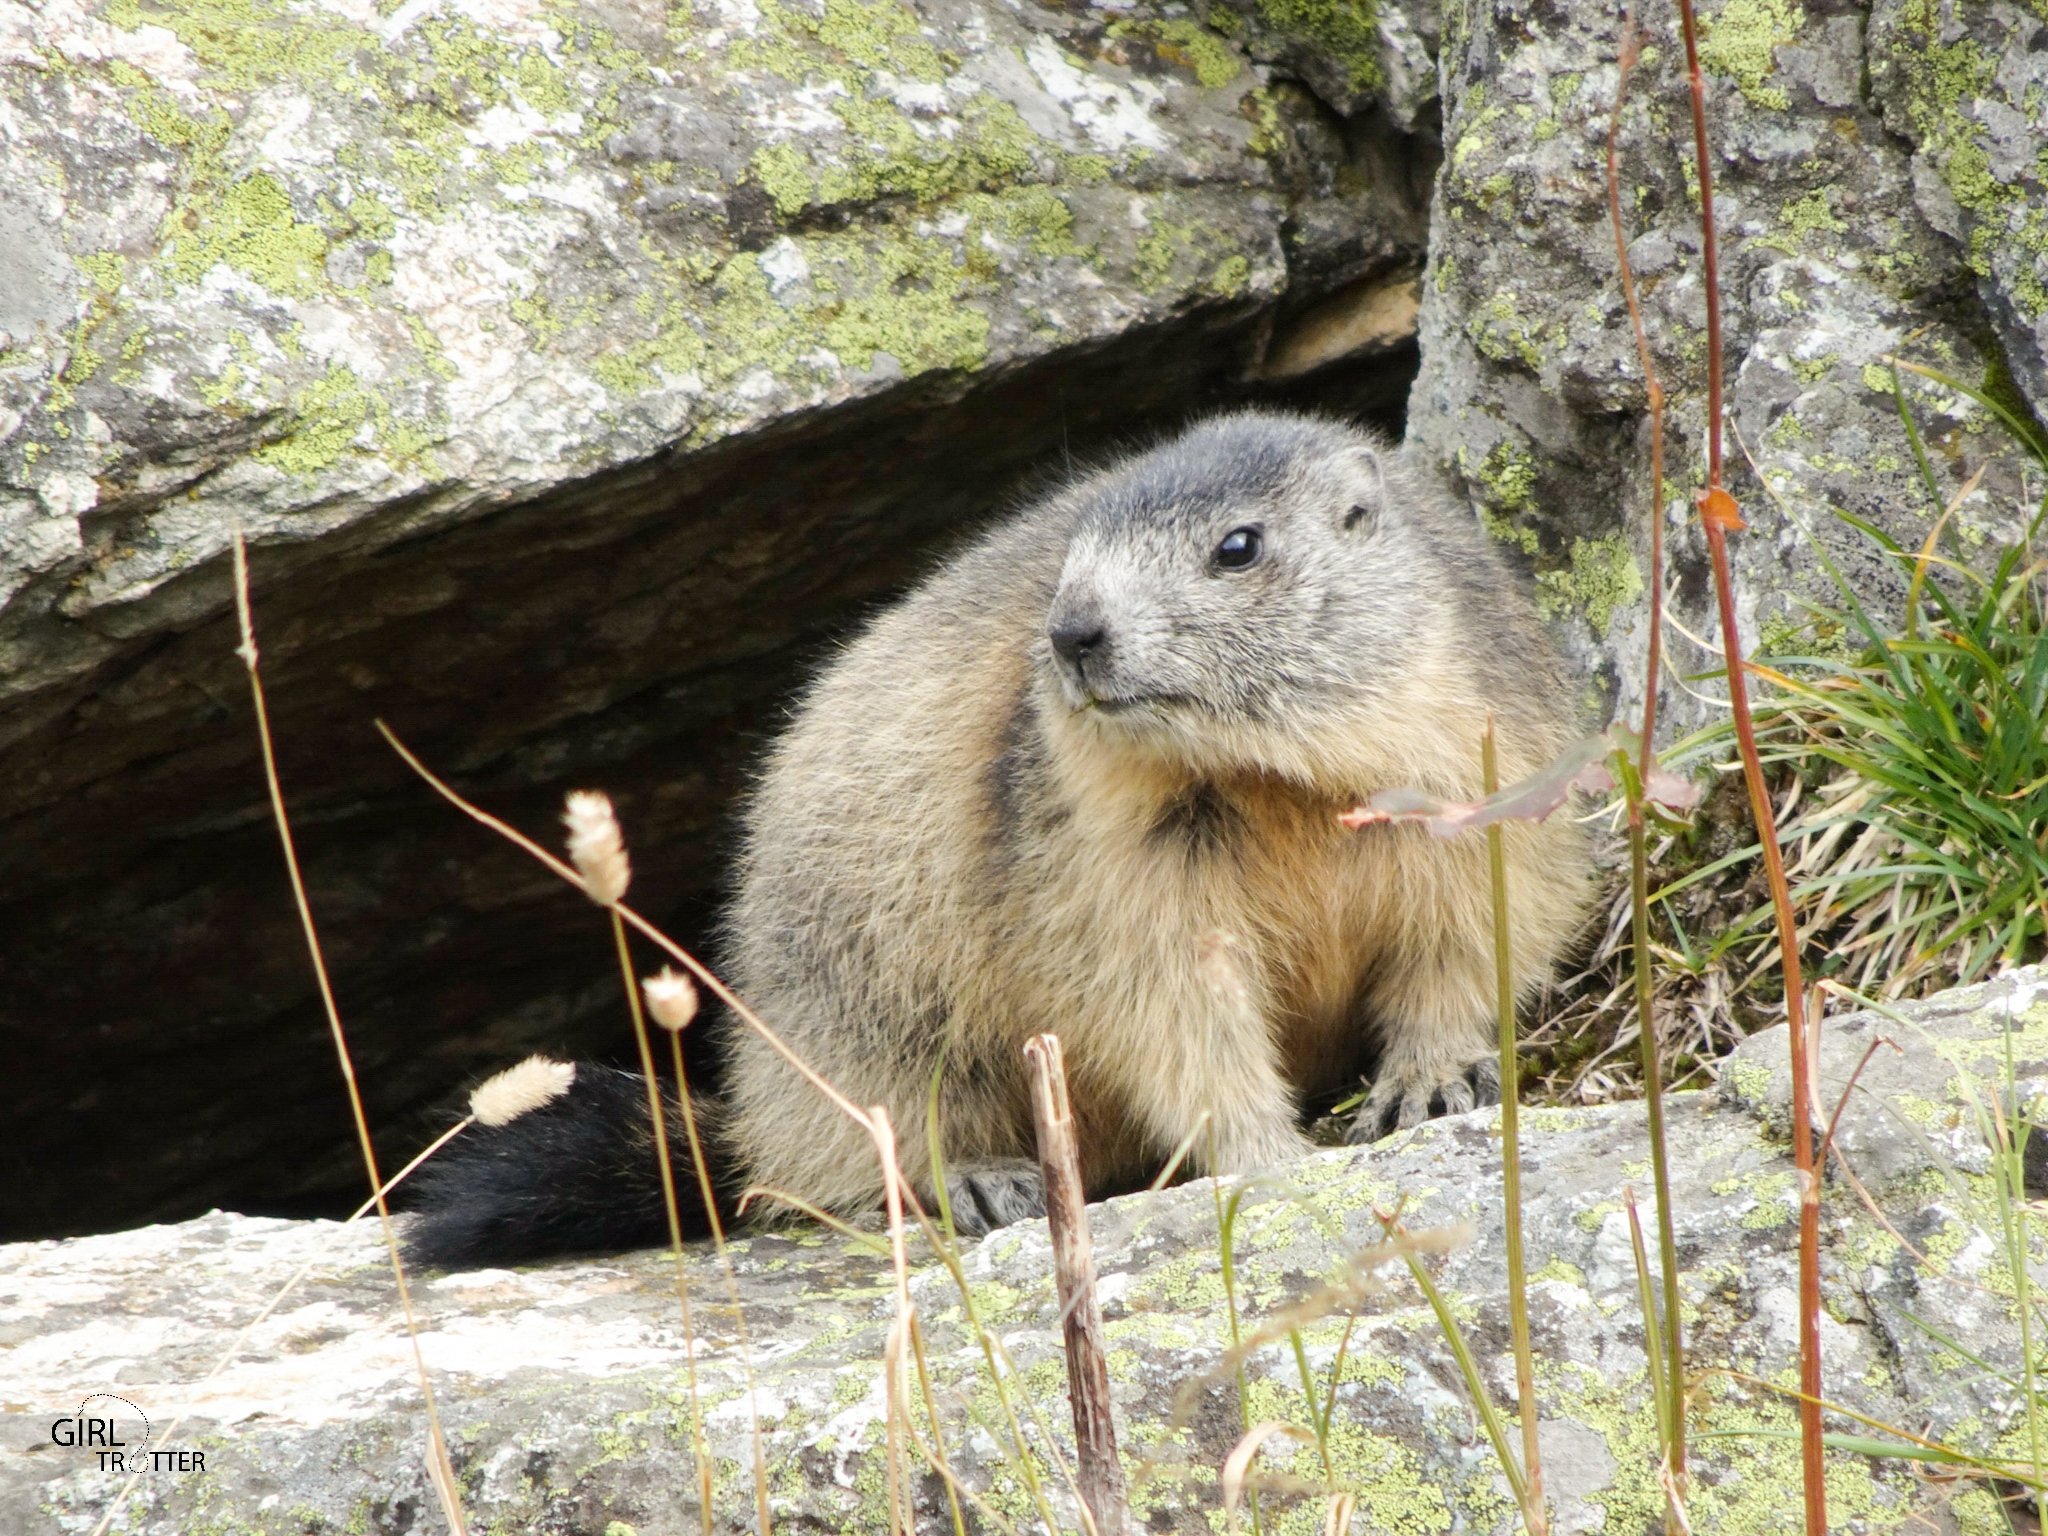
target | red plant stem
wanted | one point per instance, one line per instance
(1717, 515)
(1795, 1014)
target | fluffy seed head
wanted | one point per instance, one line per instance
(671, 998)
(596, 846)
(514, 1091)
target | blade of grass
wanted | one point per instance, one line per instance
(1468, 1368)
(1534, 1515)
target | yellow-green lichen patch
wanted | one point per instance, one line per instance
(1773, 1195)
(1474, 116)
(886, 154)
(410, 117)
(1802, 221)
(1748, 1080)
(1345, 33)
(327, 417)
(254, 230)
(1385, 1476)
(1740, 41)
(1594, 1216)
(884, 36)
(1603, 578)
(241, 44)
(1177, 253)
(1559, 1271)
(1187, 44)
(1500, 331)
(1230, 277)
(1186, 1283)
(864, 293)
(1556, 1119)
(1943, 77)
(1507, 482)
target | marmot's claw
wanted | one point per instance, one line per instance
(989, 1194)
(1402, 1099)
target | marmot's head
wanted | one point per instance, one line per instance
(1244, 589)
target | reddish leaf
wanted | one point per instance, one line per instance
(1583, 766)
(1719, 508)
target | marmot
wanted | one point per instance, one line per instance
(1087, 779)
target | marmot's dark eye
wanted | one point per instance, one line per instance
(1240, 548)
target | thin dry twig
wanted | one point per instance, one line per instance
(233, 1352)
(440, 1472)
(1100, 1472)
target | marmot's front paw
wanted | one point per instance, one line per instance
(1402, 1097)
(984, 1195)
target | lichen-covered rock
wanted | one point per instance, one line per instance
(565, 1393)
(1968, 86)
(311, 261)
(1355, 54)
(576, 369)
(1839, 248)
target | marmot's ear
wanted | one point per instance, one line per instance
(1367, 478)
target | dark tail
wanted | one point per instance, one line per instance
(577, 1174)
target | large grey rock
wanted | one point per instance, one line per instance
(564, 1390)
(1876, 192)
(576, 372)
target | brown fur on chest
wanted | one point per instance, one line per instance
(1316, 902)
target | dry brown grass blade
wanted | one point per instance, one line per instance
(1356, 1284)
(439, 1470)
(895, 1373)
(762, 1518)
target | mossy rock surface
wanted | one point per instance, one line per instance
(564, 1387)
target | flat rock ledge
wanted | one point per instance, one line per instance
(564, 1388)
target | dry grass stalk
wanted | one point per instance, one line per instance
(1671, 1414)
(233, 1352)
(439, 1471)
(598, 849)
(1100, 1473)
(1357, 1282)
(672, 1003)
(895, 1354)
(1719, 516)
(1237, 1465)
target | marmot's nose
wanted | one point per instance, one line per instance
(1074, 636)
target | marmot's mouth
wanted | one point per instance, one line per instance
(1127, 703)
